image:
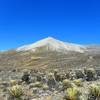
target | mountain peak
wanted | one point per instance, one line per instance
(49, 39)
(53, 45)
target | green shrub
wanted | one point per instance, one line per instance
(72, 94)
(66, 84)
(94, 90)
(77, 82)
(16, 91)
(90, 74)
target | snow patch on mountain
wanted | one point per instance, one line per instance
(53, 45)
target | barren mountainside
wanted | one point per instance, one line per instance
(51, 53)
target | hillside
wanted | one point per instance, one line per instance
(50, 53)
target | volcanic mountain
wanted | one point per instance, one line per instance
(52, 44)
(50, 53)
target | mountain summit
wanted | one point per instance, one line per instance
(53, 44)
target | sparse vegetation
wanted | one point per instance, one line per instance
(78, 82)
(94, 91)
(15, 92)
(66, 84)
(52, 76)
(72, 94)
(48, 87)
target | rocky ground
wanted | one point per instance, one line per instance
(37, 85)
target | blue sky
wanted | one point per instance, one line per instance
(26, 21)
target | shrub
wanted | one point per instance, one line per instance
(66, 84)
(57, 75)
(16, 91)
(79, 74)
(72, 94)
(90, 74)
(78, 82)
(94, 90)
(51, 81)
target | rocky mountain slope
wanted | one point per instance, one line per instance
(50, 53)
(52, 44)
